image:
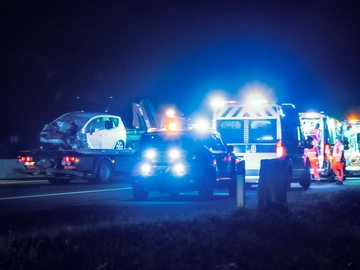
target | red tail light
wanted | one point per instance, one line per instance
(280, 150)
(25, 159)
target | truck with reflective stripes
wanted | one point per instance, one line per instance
(259, 130)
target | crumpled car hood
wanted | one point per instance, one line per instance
(64, 134)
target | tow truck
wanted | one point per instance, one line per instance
(329, 128)
(350, 132)
(73, 155)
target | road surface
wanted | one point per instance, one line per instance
(36, 203)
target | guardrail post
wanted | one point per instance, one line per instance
(272, 186)
(240, 184)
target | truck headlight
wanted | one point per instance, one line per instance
(174, 154)
(179, 168)
(145, 168)
(150, 154)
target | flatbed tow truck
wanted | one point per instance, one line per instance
(98, 166)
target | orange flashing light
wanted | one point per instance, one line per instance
(280, 150)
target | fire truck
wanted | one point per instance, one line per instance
(328, 129)
(261, 130)
(350, 132)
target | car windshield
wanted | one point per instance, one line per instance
(185, 141)
(166, 140)
(67, 120)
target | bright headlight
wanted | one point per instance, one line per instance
(150, 154)
(145, 168)
(174, 154)
(179, 168)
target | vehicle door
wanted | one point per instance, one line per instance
(292, 137)
(111, 132)
(223, 159)
(95, 132)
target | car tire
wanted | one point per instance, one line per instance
(103, 172)
(305, 180)
(120, 144)
(207, 185)
(139, 192)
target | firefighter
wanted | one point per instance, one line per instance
(312, 154)
(338, 160)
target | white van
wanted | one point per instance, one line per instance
(264, 131)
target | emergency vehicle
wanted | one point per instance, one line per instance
(350, 133)
(259, 130)
(187, 159)
(328, 129)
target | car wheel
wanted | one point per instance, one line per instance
(139, 192)
(120, 145)
(104, 172)
(206, 189)
(305, 180)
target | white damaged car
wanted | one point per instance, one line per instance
(84, 130)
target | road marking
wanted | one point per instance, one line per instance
(61, 194)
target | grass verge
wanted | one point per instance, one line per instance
(323, 233)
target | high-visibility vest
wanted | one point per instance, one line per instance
(338, 151)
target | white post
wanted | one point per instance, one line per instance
(240, 190)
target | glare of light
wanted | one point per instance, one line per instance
(145, 168)
(170, 113)
(312, 115)
(150, 154)
(202, 124)
(257, 102)
(174, 153)
(217, 102)
(179, 168)
(172, 126)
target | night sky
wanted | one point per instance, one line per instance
(62, 56)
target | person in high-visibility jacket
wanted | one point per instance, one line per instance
(312, 154)
(338, 160)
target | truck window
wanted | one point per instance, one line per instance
(232, 131)
(263, 130)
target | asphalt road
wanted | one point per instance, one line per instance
(36, 203)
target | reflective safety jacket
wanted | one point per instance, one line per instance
(338, 152)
